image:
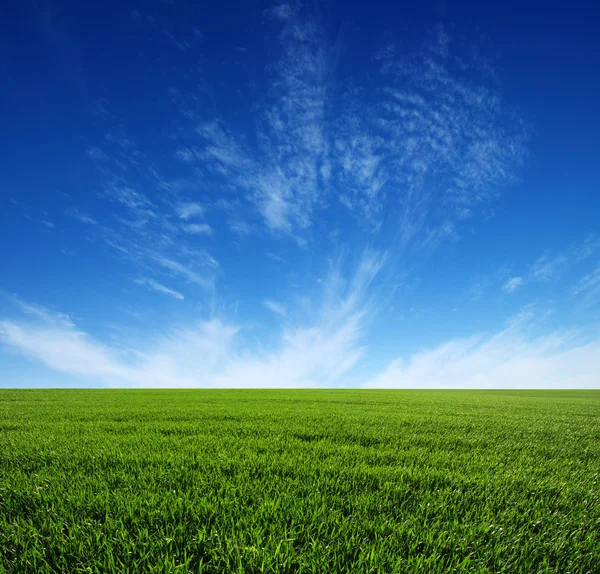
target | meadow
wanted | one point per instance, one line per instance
(304, 481)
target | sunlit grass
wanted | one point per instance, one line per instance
(299, 481)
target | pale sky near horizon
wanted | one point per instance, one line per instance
(292, 194)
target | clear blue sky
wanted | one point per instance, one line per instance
(320, 194)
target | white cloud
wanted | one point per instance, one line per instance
(189, 356)
(484, 282)
(159, 287)
(425, 146)
(206, 354)
(142, 210)
(590, 282)
(222, 149)
(276, 307)
(434, 142)
(239, 226)
(274, 202)
(589, 286)
(284, 175)
(322, 353)
(97, 154)
(547, 267)
(186, 155)
(65, 349)
(511, 358)
(76, 214)
(184, 271)
(281, 11)
(210, 353)
(312, 357)
(513, 284)
(140, 225)
(188, 210)
(198, 228)
(183, 357)
(294, 126)
(41, 313)
(589, 247)
(131, 198)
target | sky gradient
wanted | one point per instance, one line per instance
(299, 195)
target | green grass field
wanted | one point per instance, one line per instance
(299, 481)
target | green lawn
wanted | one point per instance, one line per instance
(299, 481)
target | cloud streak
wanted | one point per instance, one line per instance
(433, 145)
(191, 275)
(82, 217)
(547, 267)
(588, 287)
(550, 267)
(512, 358)
(159, 287)
(211, 353)
(198, 228)
(188, 210)
(425, 147)
(207, 354)
(512, 284)
(275, 307)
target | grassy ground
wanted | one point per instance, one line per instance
(299, 481)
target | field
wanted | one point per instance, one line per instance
(299, 481)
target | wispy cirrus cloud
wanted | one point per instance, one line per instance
(96, 154)
(151, 223)
(552, 266)
(275, 307)
(284, 176)
(186, 155)
(501, 276)
(75, 213)
(65, 349)
(137, 202)
(188, 210)
(436, 142)
(512, 284)
(421, 148)
(159, 287)
(188, 273)
(210, 352)
(588, 286)
(198, 228)
(514, 357)
(42, 314)
(548, 267)
(222, 150)
(545, 271)
(293, 123)
(588, 248)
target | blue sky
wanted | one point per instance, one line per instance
(299, 195)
